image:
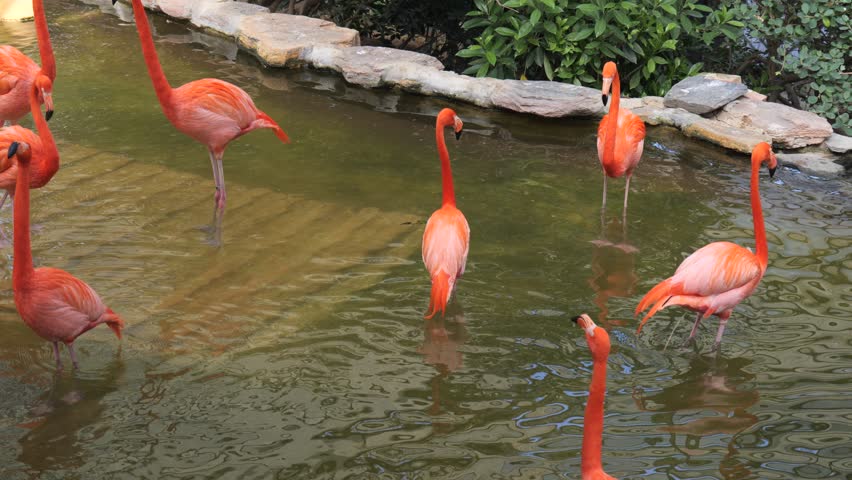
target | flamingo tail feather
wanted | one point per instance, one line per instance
(440, 294)
(658, 297)
(267, 122)
(114, 322)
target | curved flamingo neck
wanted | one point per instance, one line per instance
(449, 196)
(22, 266)
(609, 145)
(45, 49)
(762, 250)
(51, 159)
(593, 420)
(155, 70)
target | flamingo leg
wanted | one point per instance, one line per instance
(3, 202)
(722, 323)
(216, 179)
(222, 195)
(694, 329)
(603, 202)
(56, 355)
(73, 356)
(626, 193)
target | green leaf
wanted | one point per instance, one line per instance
(581, 35)
(826, 21)
(506, 32)
(475, 22)
(703, 8)
(535, 17)
(622, 18)
(652, 65)
(686, 24)
(548, 3)
(483, 70)
(470, 52)
(669, 44)
(491, 57)
(736, 23)
(659, 60)
(480, 4)
(526, 28)
(548, 69)
(514, 3)
(588, 9)
(634, 81)
(806, 8)
(668, 8)
(600, 27)
(551, 27)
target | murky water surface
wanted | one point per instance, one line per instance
(299, 351)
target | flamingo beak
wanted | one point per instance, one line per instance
(458, 134)
(48, 105)
(113, 1)
(13, 149)
(585, 322)
(607, 84)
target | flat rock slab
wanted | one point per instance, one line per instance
(280, 40)
(701, 94)
(548, 99)
(817, 163)
(223, 16)
(788, 127)
(672, 117)
(416, 78)
(839, 143)
(366, 66)
(725, 135)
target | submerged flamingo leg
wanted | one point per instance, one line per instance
(694, 329)
(56, 355)
(73, 356)
(722, 323)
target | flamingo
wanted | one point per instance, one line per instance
(43, 148)
(446, 240)
(621, 136)
(211, 111)
(598, 340)
(20, 73)
(718, 276)
(56, 305)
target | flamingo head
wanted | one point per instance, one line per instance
(447, 117)
(597, 337)
(21, 149)
(609, 73)
(43, 86)
(763, 153)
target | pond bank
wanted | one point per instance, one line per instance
(711, 107)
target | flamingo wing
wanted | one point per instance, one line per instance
(716, 268)
(218, 99)
(14, 64)
(60, 306)
(446, 242)
(631, 139)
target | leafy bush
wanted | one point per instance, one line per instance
(651, 40)
(796, 52)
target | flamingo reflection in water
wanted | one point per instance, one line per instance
(442, 338)
(715, 384)
(613, 272)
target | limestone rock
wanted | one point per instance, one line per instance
(223, 16)
(700, 94)
(324, 57)
(631, 103)
(725, 135)
(839, 143)
(548, 99)
(672, 117)
(426, 80)
(178, 8)
(280, 40)
(788, 127)
(365, 65)
(752, 95)
(817, 163)
(723, 77)
(652, 101)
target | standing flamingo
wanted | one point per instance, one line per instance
(446, 240)
(58, 306)
(42, 148)
(20, 73)
(211, 111)
(718, 276)
(598, 340)
(621, 136)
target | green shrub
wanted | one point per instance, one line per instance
(654, 42)
(796, 52)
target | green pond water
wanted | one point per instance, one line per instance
(298, 350)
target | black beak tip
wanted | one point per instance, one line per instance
(604, 98)
(13, 149)
(576, 319)
(48, 115)
(772, 172)
(113, 1)
(458, 134)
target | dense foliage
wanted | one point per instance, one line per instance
(571, 40)
(797, 52)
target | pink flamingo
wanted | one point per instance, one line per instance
(593, 421)
(211, 111)
(621, 136)
(56, 305)
(446, 240)
(718, 276)
(43, 149)
(20, 73)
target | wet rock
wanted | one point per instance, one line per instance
(788, 127)
(365, 65)
(672, 117)
(425, 80)
(223, 16)
(280, 40)
(178, 8)
(324, 57)
(817, 163)
(547, 99)
(839, 143)
(725, 135)
(702, 94)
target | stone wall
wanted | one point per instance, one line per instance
(713, 107)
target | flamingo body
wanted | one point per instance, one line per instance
(446, 240)
(43, 167)
(629, 142)
(718, 276)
